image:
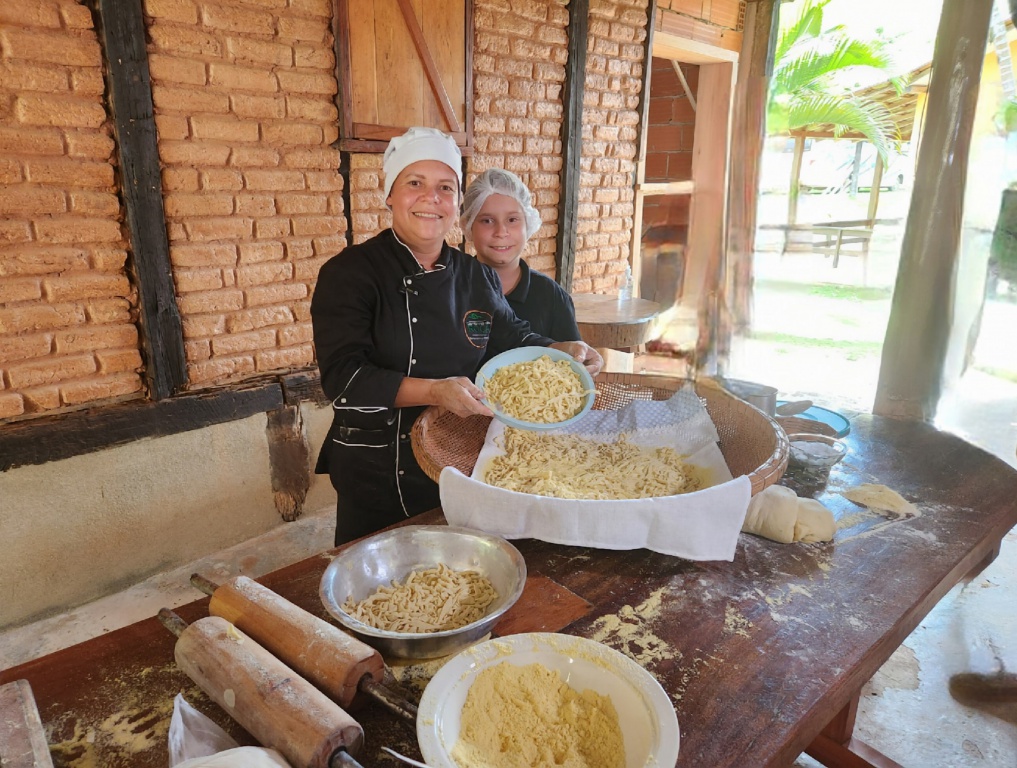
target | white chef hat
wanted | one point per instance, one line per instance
(420, 144)
(495, 181)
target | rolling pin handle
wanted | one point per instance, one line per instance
(205, 585)
(343, 759)
(171, 621)
(388, 698)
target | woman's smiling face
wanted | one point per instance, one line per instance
(425, 202)
(499, 231)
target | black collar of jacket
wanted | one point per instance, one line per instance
(409, 262)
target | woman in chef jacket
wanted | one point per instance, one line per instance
(402, 322)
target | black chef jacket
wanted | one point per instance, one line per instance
(377, 318)
(544, 304)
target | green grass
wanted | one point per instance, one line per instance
(998, 373)
(853, 350)
(829, 291)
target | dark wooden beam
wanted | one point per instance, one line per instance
(61, 436)
(129, 88)
(572, 142)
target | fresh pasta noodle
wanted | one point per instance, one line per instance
(541, 391)
(430, 600)
(572, 467)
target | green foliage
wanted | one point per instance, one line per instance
(1006, 117)
(809, 66)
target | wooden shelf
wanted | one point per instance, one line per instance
(668, 188)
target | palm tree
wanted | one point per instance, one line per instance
(809, 64)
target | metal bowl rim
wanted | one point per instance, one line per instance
(336, 611)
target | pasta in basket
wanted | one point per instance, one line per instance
(572, 467)
(430, 600)
(541, 391)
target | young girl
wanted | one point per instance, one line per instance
(499, 218)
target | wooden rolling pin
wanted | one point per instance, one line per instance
(337, 663)
(22, 738)
(272, 702)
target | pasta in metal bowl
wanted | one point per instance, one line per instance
(429, 600)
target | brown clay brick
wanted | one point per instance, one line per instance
(14, 232)
(88, 339)
(87, 82)
(95, 203)
(49, 370)
(190, 280)
(219, 370)
(172, 10)
(20, 289)
(251, 51)
(253, 157)
(230, 76)
(69, 173)
(314, 157)
(312, 7)
(180, 180)
(256, 253)
(274, 180)
(299, 249)
(89, 144)
(325, 181)
(115, 385)
(215, 180)
(291, 133)
(51, 47)
(28, 76)
(184, 204)
(30, 13)
(261, 317)
(185, 40)
(76, 16)
(77, 230)
(218, 228)
(299, 333)
(211, 302)
(315, 225)
(108, 311)
(274, 294)
(108, 259)
(38, 399)
(319, 110)
(203, 255)
(118, 360)
(189, 100)
(272, 229)
(243, 342)
(312, 30)
(203, 326)
(84, 286)
(261, 274)
(260, 107)
(172, 127)
(10, 171)
(307, 82)
(234, 19)
(289, 357)
(289, 203)
(255, 205)
(313, 57)
(177, 69)
(46, 109)
(11, 404)
(307, 269)
(198, 350)
(31, 201)
(191, 153)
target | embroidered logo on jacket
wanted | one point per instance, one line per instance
(477, 325)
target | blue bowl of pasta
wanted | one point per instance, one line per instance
(536, 388)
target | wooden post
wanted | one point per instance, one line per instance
(856, 169)
(914, 351)
(748, 132)
(796, 184)
(572, 142)
(640, 179)
(130, 98)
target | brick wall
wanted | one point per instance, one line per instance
(244, 99)
(614, 75)
(669, 141)
(519, 57)
(67, 335)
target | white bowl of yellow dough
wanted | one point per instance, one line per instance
(645, 716)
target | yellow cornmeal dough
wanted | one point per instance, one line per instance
(522, 716)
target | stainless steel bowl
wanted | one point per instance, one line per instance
(377, 561)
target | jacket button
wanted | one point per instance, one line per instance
(414, 361)
(413, 319)
(342, 399)
(402, 472)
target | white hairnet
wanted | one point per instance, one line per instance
(496, 181)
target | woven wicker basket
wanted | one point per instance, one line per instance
(752, 443)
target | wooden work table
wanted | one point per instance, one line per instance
(758, 655)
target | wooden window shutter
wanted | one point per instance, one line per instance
(403, 63)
